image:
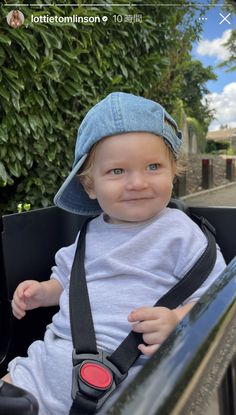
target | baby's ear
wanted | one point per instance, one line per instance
(91, 193)
(87, 183)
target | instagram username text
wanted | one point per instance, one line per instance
(68, 19)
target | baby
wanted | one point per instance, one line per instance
(126, 158)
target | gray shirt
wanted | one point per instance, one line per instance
(128, 266)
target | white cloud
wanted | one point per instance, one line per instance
(224, 105)
(215, 48)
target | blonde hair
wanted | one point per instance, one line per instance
(85, 172)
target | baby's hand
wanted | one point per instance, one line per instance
(27, 296)
(155, 323)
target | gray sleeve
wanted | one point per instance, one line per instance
(218, 268)
(191, 245)
(63, 263)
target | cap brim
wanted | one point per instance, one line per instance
(72, 197)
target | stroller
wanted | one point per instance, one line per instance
(37, 231)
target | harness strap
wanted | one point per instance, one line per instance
(81, 320)
(83, 405)
(127, 353)
(83, 334)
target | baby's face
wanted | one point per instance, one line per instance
(132, 174)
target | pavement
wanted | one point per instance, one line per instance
(218, 196)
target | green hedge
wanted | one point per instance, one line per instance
(216, 146)
(51, 74)
(196, 128)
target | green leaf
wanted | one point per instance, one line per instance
(3, 173)
(64, 61)
(31, 63)
(15, 169)
(4, 93)
(22, 120)
(2, 56)
(16, 102)
(28, 160)
(26, 41)
(15, 84)
(27, 207)
(19, 155)
(50, 40)
(124, 71)
(3, 151)
(83, 69)
(21, 38)
(3, 135)
(12, 155)
(34, 122)
(16, 57)
(38, 98)
(5, 39)
(116, 80)
(70, 55)
(10, 73)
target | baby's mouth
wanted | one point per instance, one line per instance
(134, 199)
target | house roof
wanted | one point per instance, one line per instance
(222, 135)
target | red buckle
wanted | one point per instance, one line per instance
(96, 375)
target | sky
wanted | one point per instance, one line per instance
(211, 51)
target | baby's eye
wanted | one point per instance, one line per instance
(117, 171)
(153, 166)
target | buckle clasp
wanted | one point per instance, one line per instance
(94, 375)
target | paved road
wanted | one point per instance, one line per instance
(223, 197)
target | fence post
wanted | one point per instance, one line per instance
(207, 173)
(230, 169)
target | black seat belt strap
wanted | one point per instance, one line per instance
(82, 328)
(83, 405)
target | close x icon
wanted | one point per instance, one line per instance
(224, 18)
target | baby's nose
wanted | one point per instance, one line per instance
(136, 181)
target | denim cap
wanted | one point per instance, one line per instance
(118, 113)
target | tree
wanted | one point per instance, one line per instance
(193, 90)
(230, 63)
